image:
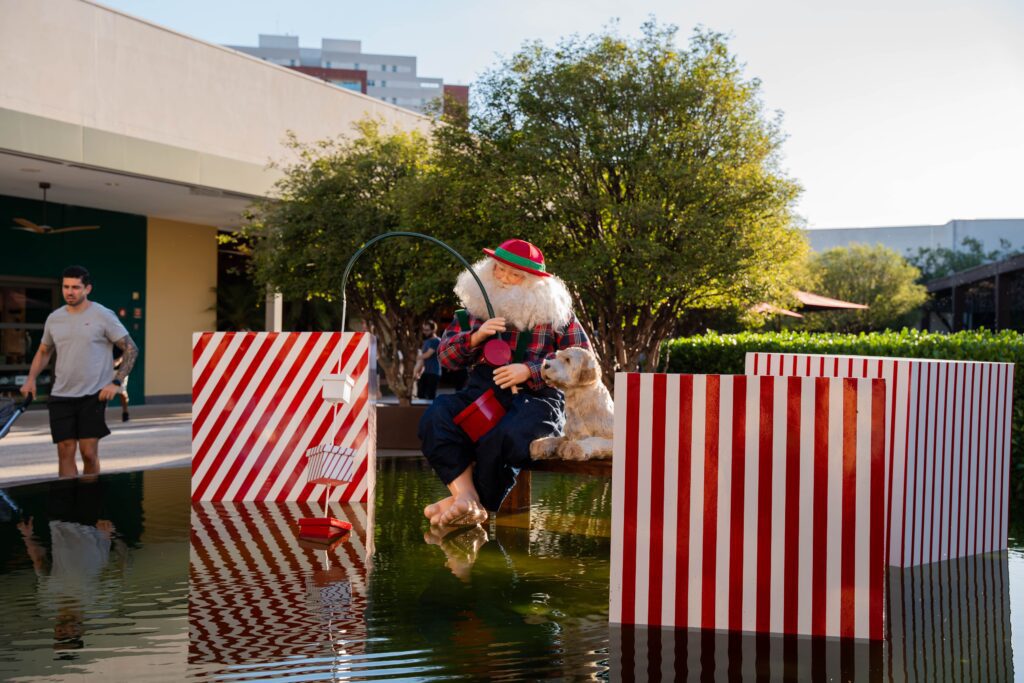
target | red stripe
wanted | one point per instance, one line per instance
(918, 457)
(790, 572)
(655, 578)
(876, 547)
(819, 538)
(964, 410)
(807, 372)
(683, 509)
(739, 445)
(294, 414)
(864, 368)
(764, 505)
(892, 458)
(934, 463)
(821, 366)
(245, 415)
(218, 353)
(630, 503)
(953, 453)
(712, 415)
(220, 418)
(221, 377)
(794, 365)
(263, 427)
(200, 345)
(356, 422)
(757, 358)
(848, 587)
(977, 399)
(981, 488)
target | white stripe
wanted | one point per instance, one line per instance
(697, 500)
(618, 499)
(864, 498)
(899, 434)
(750, 503)
(312, 412)
(724, 513)
(259, 445)
(931, 460)
(1005, 429)
(805, 561)
(224, 407)
(643, 497)
(207, 394)
(778, 507)
(976, 423)
(947, 458)
(672, 502)
(834, 519)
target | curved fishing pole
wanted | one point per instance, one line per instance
(400, 233)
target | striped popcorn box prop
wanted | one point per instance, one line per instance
(330, 465)
(250, 602)
(257, 408)
(947, 448)
(748, 503)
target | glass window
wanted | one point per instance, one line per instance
(23, 310)
(356, 65)
(328, 65)
(394, 68)
(370, 82)
(383, 67)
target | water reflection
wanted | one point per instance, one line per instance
(262, 596)
(93, 573)
(948, 621)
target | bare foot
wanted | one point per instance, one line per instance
(464, 510)
(435, 509)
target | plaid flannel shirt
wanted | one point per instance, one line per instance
(456, 354)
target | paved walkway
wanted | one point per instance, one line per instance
(156, 436)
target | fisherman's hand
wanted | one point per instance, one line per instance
(488, 329)
(510, 375)
(28, 388)
(110, 391)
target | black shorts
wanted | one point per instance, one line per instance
(81, 417)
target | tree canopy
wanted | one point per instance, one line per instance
(863, 274)
(648, 174)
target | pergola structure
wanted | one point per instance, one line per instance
(990, 296)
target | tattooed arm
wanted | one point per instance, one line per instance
(129, 353)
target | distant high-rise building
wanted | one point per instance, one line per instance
(390, 78)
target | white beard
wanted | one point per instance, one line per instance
(534, 301)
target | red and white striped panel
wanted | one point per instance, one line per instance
(259, 598)
(947, 450)
(256, 408)
(749, 504)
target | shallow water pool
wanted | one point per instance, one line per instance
(122, 578)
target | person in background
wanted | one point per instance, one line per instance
(427, 370)
(83, 333)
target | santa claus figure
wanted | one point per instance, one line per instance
(533, 315)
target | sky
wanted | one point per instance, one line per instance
(897, 112)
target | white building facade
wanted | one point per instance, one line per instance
(906, 240)
(389, 78)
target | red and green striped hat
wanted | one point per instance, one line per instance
(521, 255)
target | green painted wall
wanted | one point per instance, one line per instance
(115, 255)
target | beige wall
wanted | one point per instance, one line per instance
(123, 77)
(181, 278)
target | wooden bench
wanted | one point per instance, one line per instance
(519, 500)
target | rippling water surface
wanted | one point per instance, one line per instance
(123, 579)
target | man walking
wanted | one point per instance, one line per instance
(83, 333)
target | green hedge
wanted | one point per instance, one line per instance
(724, 353)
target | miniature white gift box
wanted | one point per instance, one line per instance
(337, 388)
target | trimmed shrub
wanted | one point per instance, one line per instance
(714, 353)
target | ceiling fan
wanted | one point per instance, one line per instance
(44, 229)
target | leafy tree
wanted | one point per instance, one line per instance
(872, 275)
(936, 262)
(649, 175)
(329, 203)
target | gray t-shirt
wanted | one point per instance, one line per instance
(84, 345)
